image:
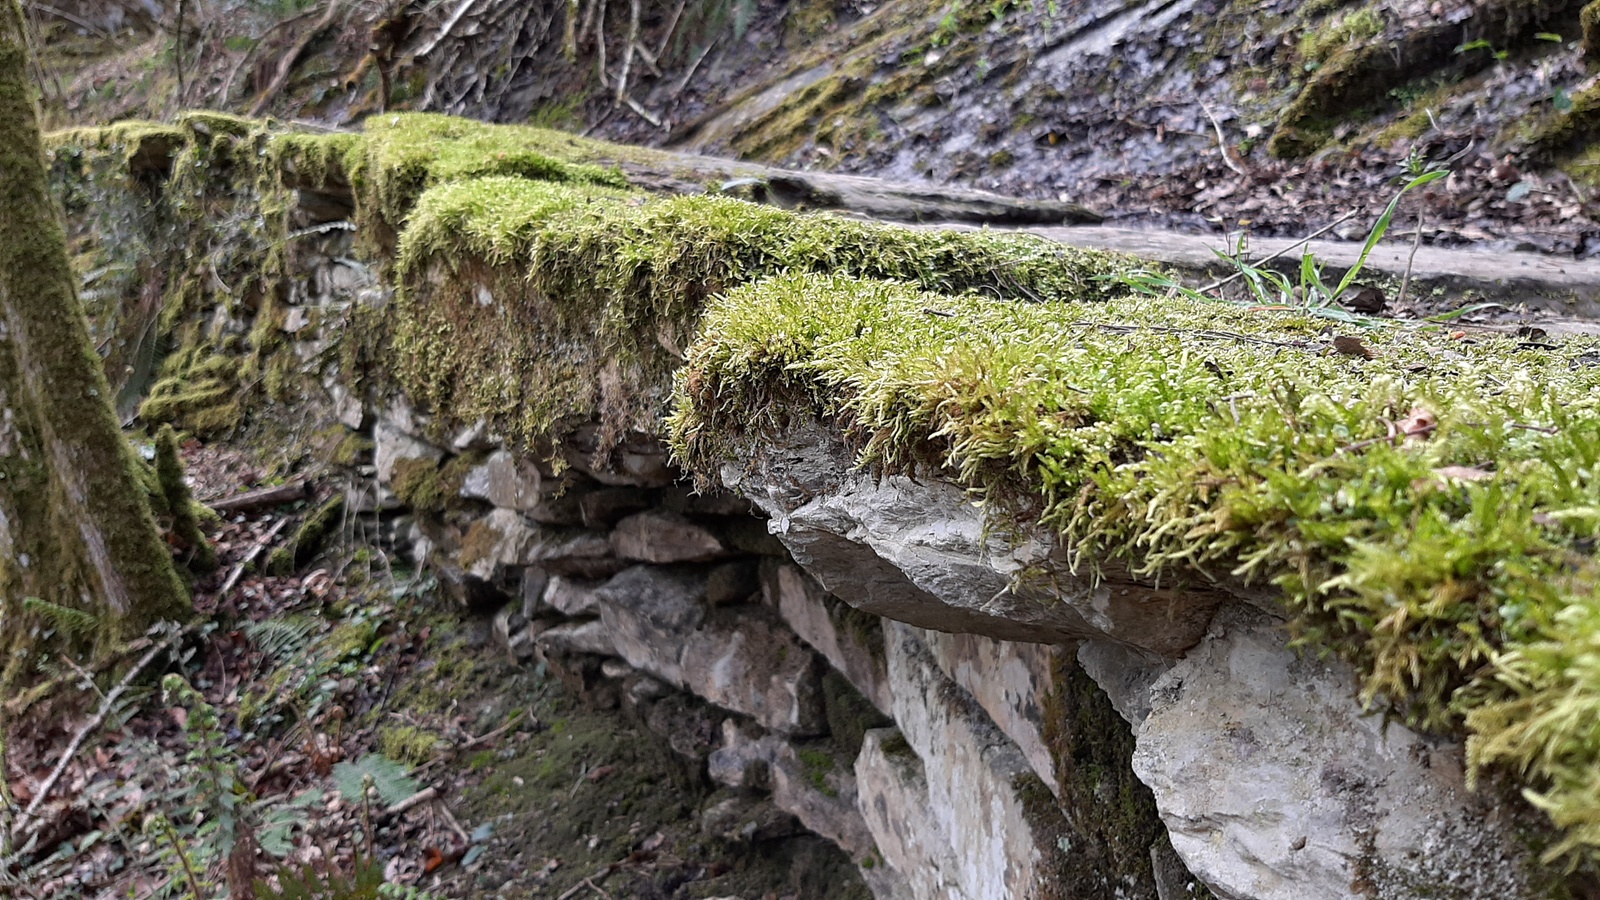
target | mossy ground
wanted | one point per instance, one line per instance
(579, 789)
(1454, 565)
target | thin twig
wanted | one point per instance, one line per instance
(1222, 142)
(420, 797)
(1269, 258)
(238, 570)
(672, 26)
(92, 725)
(577, 889)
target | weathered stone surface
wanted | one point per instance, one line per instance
(733, 582)
(749, 663)
(662, 537)
(744, 758)
(1125, 675)
(893, 796)
(805, 780)
(921, 552)
(505, 539)
(504, 481)
(1010, 680)
(1274, 783)
(572, 596)
(640, 460)
(710, 503)
(577, 637)
(602, 507)
(390, 444)
(651, 612)
(958, 824)
(850, 640)
(743, 661)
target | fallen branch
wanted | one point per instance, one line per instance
(287, 63)
(260, 499)
(415, 800)
(90, 727)
(627, 56)
(255, 552)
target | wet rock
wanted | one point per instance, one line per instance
(1274, 783)
(662, 537)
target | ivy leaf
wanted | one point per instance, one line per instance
(1562, 100)
(1519, 191)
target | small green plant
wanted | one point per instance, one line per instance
(1306, 291)
(1481, 44)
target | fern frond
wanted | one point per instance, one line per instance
(391, 779)
(64, 619)
(283, 640)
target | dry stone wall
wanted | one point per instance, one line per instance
(868, 654)
(874, 660)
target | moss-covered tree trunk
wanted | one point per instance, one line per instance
(76, 531)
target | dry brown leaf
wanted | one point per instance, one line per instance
(1352, 346)
(1417, 424)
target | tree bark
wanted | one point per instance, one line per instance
(76, 530)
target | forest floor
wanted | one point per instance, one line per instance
(369, 730)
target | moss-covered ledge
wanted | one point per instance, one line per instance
(1430, 513)
(536, 287)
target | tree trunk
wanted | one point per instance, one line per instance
(76, 531)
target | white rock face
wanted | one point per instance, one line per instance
(1276, 786)
(951, 818)
(1011, 681)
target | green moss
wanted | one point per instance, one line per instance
(1561, 136)
(178, 505)
(1143, 433)
(849, 714)
(1111, 818)
(418, 485)
(409, 744)
(522, 299)
(1317, 44)
(818, 764)
(309, 538)
(1589, 21)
